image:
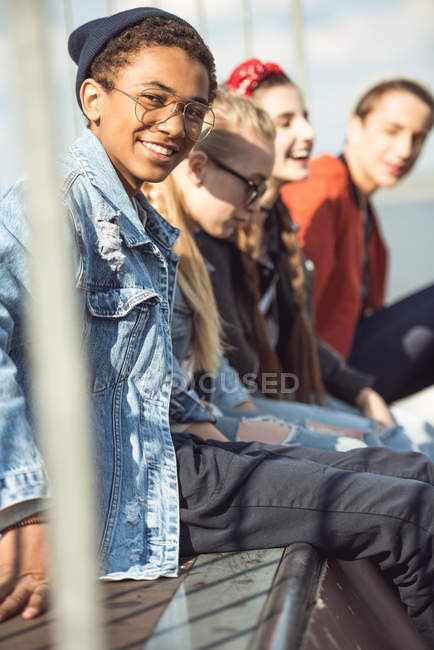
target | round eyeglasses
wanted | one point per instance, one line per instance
(157, 106)
(254, 190)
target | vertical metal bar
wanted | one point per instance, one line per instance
(67, 19)
(201, 19)
(111, 7)
(300, 73)
(247, 29)
(58, 374)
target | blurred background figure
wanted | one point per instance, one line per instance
(210, 200)
(340, 233)
(275, 274)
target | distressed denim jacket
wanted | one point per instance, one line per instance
(227, 389)
(125, 274)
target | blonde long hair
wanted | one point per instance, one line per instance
(232, 112)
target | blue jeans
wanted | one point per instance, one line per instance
(413, 433)
(419, 436)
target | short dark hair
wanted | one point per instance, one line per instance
(155, 30)
(370, 98)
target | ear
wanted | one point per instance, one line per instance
(91, 95)
(355, 129)
(197, 162)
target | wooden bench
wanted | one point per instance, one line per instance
(277, 599)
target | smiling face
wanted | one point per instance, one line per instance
(294, 134)
(141, 152)
(213, 198)
(382, 148)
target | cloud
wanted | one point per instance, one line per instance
(224, 9)
(391, 33)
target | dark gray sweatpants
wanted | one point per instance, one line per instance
(366, 503)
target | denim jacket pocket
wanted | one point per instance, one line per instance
(113, 316)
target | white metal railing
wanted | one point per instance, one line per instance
(247, 29)
(57, 368)
(300, 69)
(201, 19)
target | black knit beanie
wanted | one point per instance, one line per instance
(88, 40)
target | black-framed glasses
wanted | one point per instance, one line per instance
(254, 190)
(155, 106)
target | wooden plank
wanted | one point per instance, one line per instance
(219, 603)
(357, 609)
(132, 609)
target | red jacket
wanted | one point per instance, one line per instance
(332, 234)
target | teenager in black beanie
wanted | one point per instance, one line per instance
(145, 83)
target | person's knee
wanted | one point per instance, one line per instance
(411, 464)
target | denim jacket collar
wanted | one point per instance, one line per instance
(95, 164)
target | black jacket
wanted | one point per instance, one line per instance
(226, 273)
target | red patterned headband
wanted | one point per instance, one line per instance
(249, 74)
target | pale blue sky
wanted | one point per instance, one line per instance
(349, 45)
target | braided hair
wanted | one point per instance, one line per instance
(299, 353)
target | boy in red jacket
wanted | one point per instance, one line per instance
(339, 232)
